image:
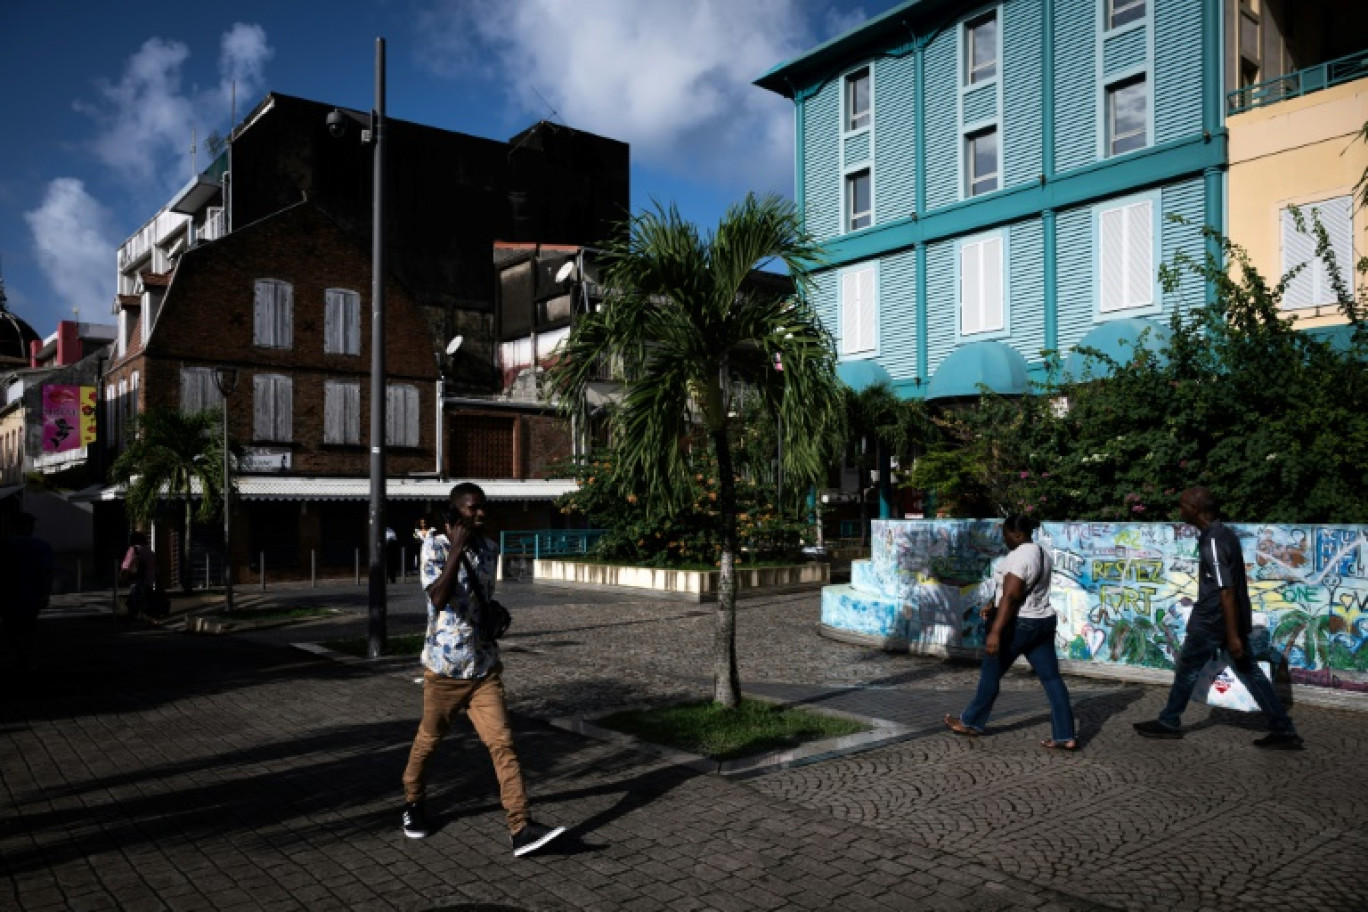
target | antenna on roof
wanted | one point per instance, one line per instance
(193, 139)
(555, 115)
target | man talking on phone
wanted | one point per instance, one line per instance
(462, 670)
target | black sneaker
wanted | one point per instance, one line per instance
(1288, 741)
(1156, 729)
(532, 837)
(415, 821)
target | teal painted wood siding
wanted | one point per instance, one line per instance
(980, 104)
(898, 315)
(821, 162)
(1124, 52)
(942, 306)
(1075, 276)
(826, 304)
(1178, 69)
(942, 122)
(1187, 199)
(895, 185)
(1026, 271)
(857, 149)
(1022, 132)
(1075, 83)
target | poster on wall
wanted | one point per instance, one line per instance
(68, 417)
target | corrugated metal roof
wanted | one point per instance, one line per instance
(295, 487)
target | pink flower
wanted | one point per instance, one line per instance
(1138, 508)
(1029, 508)
(1025, 474)
(1182, 463)
(1044, 474)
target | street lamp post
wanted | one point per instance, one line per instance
(376, 628)
(225, 378)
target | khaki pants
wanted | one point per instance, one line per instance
(483, 702)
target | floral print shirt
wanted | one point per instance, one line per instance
(451, 648)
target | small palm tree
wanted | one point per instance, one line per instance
(689, 328)
(173, 452)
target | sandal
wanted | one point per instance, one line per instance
(958, 727)
(1052, 744)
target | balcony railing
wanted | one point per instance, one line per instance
(1302, 82)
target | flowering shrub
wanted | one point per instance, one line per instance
(1273, 420)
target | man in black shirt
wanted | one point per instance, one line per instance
(1220, 620)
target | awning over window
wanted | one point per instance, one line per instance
(298, 487)
(1116, 339)
(992, 364)
(862, 374)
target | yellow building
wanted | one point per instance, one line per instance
(1296, 143)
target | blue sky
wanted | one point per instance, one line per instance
(101, 101)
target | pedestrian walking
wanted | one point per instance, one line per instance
(26, 568)
(391, 554)
(1020, 621)
(1220, 622)
(139, 571)
(462, 669)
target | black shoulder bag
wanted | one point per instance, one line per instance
(493, 619)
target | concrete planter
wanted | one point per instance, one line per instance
(702, 584)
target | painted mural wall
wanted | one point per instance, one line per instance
(1123, 592)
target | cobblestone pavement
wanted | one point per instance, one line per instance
(143, 768)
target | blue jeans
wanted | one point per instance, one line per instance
(1033, 638)
(1206, 636)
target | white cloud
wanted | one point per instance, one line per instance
(673, 79)
(74, 242)
(146, 119)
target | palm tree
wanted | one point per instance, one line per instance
(174, 453)
(882, 427)
(689, 328)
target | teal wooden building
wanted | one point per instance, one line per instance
(994, 181)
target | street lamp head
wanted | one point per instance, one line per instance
(337, 123)
(225, 378)
(454, 344)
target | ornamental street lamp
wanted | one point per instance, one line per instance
(337, 127)
(226, 378)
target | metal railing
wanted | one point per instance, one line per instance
(517, 550)
(1302, 82)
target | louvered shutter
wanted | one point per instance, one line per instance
(284, 315)
(352, 333)
(1298, 247)
(991, 264)
(1139, 254)
(190, 388)
(850, 312)
(351, 412)
(341, 412)
(869, 310)
(334, 329)
(262, 326)
(1111, 241)
(971, 288)
(263, 407)
(1337, 215)
(284, 401)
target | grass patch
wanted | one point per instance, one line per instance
(410, 644)
(752, 728)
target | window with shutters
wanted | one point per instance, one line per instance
(341, 412)
(198, 390)
(1311, 287)
(982, 303)
(401, 415)
(859, 310)
(1126, 270)
(272, 407)
(273, 323)
(341, 322)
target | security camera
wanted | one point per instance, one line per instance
(337, 123)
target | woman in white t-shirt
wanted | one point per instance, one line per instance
(1022, 622)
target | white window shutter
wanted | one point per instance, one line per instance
(352, 335)
(351, 412)
(261, 314)
(869, 310)
(1337, 215)
(332, 408)
(1140, 254)
(850, 313)
(1297, 248)
(971, 288)
(992, 318)
(333, 328)
(285, 315)
(284, 400)
(262, 407)
(1111, 240)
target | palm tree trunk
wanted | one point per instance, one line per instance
(726, 681)
(183, 558)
